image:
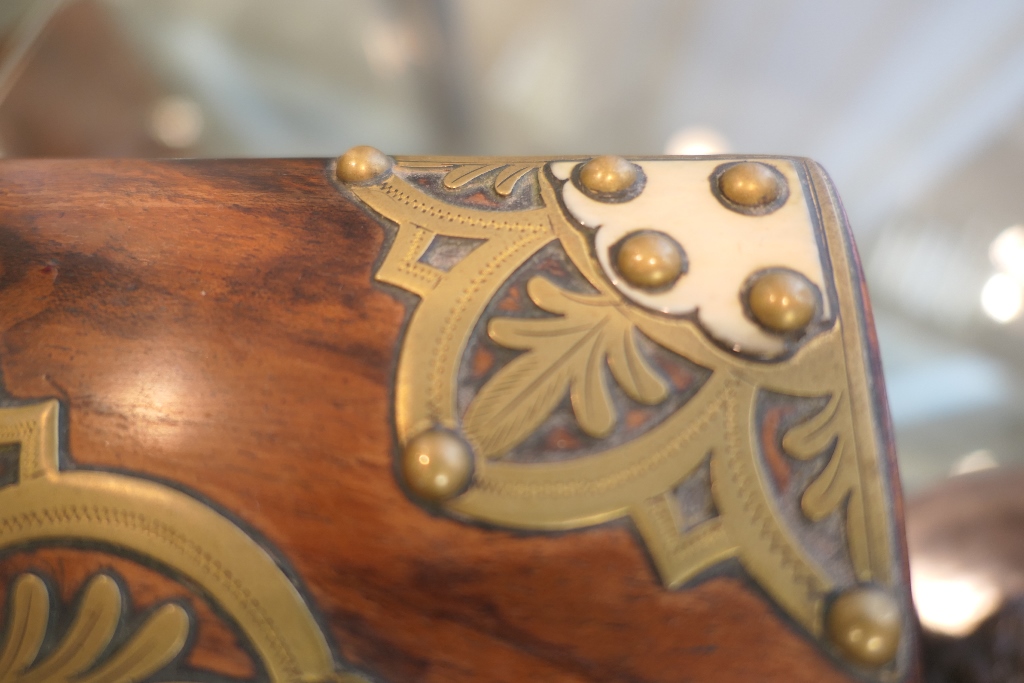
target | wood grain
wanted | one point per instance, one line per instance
(213, 324)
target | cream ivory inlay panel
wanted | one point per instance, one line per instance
(723, 247)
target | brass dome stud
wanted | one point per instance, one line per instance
(609, 175)
(437, 465)
(362, 164)
(650, 260)
(751, 184)
(782, 301)
(865, 624)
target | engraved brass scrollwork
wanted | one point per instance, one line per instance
(576, 343)
(565, 353)
(79, 656)
(163, 525)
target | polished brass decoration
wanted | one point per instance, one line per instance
(782, 301)
(362, 164)
(506, 175)
(164, 526)
(650, 259)
(81, 654)
(562, 352)
(437, 465)
(751, 187)
(865, 624)
(608, 175)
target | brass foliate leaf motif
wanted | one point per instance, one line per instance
(152, 647)
(504, 183)
(631, 370)
(26, 626)
(563, 354)
(461, 175)
(158, 523)
(839, 481)
(159, 640)
(88, 635)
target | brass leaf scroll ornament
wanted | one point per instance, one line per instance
(168, 528)
(543, 329)
(506, 175)
(565, 353)
(81, 655)
(838, 481)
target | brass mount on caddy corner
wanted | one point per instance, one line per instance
(530, 332)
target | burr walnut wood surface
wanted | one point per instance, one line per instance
(213, 325)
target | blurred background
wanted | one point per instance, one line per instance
(916, 108)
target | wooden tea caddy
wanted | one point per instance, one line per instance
(442, 419)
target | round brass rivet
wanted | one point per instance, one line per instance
(437, 465)
(865, 624)
(782, 301)
(608, 175)
(362, 163)
(750, 183)
(650, 259)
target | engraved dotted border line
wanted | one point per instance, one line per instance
(436, 381)
(25, 433)
(411, 266)
(759, 517)
(434, 210)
